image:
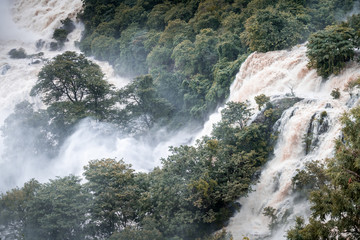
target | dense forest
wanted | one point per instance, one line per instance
(182, 57)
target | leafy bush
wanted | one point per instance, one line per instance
(335, 93)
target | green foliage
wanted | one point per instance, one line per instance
(205, 50)
(137, 234)
(60, 35)
(131, 60)
(335, 204)
(68, 25)
(271, 29)
(159, 56)
(323, 115)
(271, 213)
(54, 210)
(261, 100)
(115, 195)
(58, 210)
(27, 133)
(190, 197)
(191, 41)
(105, 48)
(144, 107)
(74, 84)
(327, 12)
(236, 114)
(184, 57)
(175, 32)
(310, 178)
(335, 93)
(156, 18)
(14, 209)
(329, 49)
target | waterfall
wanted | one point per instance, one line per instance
(22, 24)
(315, 118)
(275, 74)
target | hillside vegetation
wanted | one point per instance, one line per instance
(193, 48)
(182, 57)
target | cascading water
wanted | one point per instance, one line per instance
(306, 132)
(275, 74)
(22, 24)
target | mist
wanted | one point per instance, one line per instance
(26, 149)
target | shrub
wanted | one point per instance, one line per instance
(335, 93)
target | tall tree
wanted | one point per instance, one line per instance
(14, 209)
(71, 78)
(115, 195)
(144, 106)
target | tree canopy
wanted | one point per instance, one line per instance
(330, 49)
(72, 82)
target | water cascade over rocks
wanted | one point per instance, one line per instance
(305, 131)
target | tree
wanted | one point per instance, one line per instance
(261, 100)
(54, 210)
(271, 29)
(143, 105)
(335, 93)
(71, 78)
(184, 57)
(58, 210)
(14, 209)
(115, 195)
(336, 204)
(329, 49)
(132, 58)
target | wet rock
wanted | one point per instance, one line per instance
(36, 61)
(17, 53)
(328, 105)
(40, 44)
(278, 106)
(4, 68)
(54, 46)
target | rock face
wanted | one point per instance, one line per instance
(54, 46)
(4, 68)
(278, 106)
(40, 44)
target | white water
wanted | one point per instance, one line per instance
(276, 74)
(22, 23)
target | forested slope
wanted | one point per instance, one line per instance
(182, 56)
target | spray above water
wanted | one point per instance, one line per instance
(275, 74)
(91, 139)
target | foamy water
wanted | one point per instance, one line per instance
(277, 74)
